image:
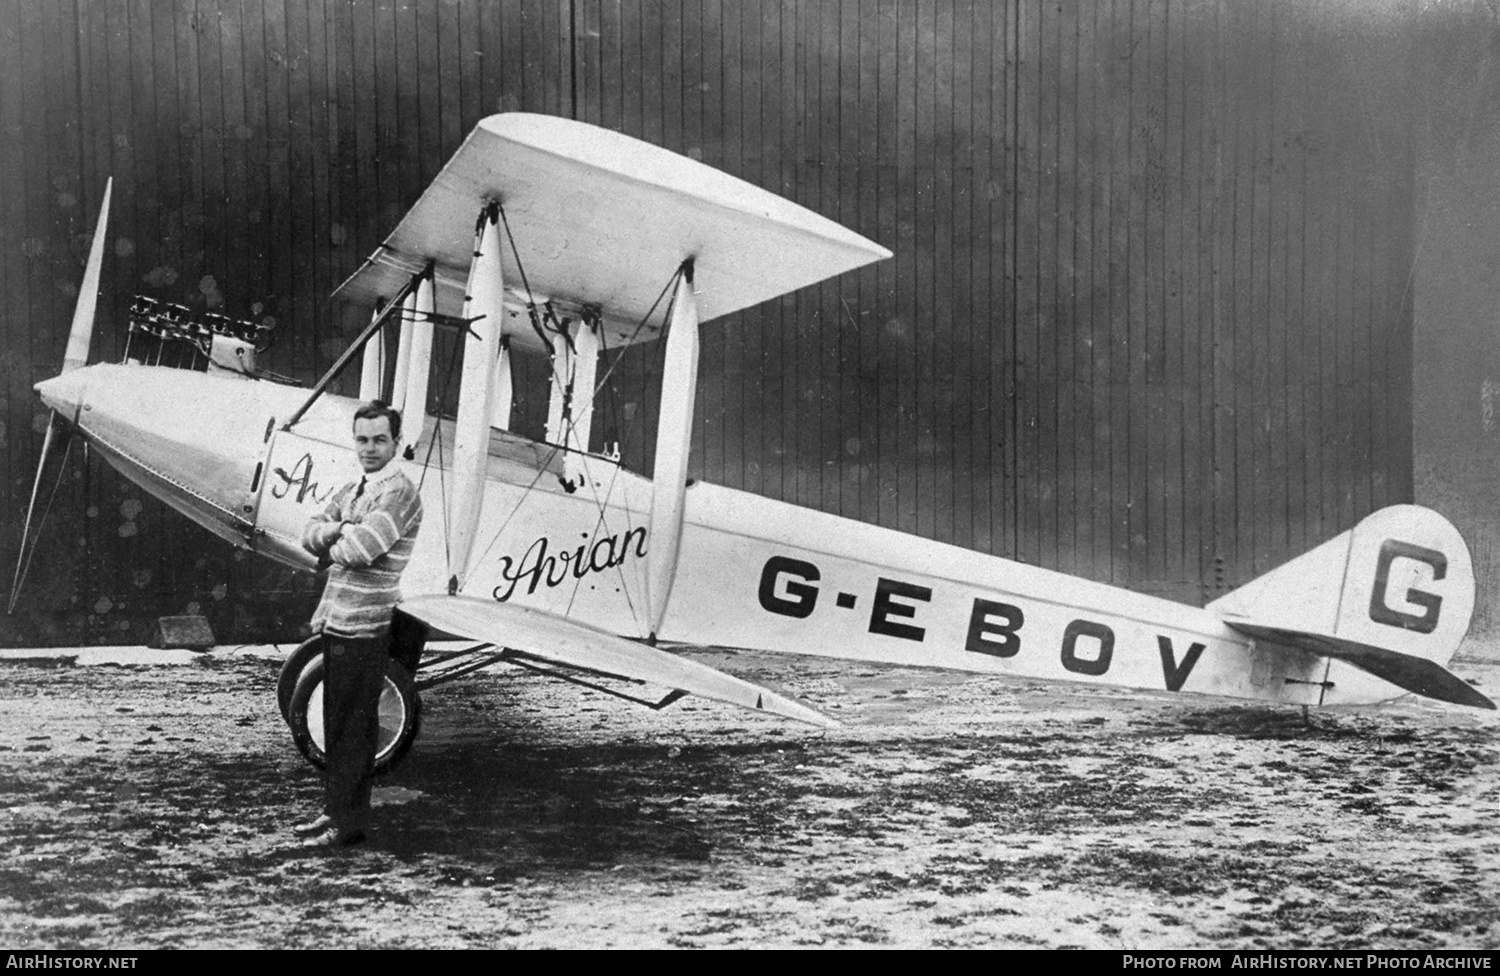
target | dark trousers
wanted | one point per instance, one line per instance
(353, 678)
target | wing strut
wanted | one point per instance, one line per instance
(405, 325)
(679, 385)
(484, 310)
(419, 358)
(372, 366)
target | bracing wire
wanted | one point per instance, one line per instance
(602, 505)
(600, 523)
(599, 386)
(516, 508)
(530, 301)
(672, 281)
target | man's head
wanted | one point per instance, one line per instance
(377, 432)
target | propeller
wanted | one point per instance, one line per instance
(82, 331)
(80, 334)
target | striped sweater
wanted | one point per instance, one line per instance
(380, 515)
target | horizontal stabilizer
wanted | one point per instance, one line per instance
(574, 644)
(1417, 675)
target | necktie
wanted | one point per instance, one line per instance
(358, 491)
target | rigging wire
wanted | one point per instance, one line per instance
(671, 282)
(569, 418)
(602, 505)
(526, 493)
(516, 508)
(536, 324)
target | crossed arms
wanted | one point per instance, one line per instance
(356, 544)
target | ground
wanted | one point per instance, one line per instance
(147, 805)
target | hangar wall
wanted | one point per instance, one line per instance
(1149, 318)
(1457, 286)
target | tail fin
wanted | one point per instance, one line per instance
(1388, 601)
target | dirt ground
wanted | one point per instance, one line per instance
(147, 806)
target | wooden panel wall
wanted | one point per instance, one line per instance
(1148, 319)
(1456, 334)
(1149, 315)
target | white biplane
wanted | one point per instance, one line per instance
(544, 236)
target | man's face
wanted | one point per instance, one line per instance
(373, 442)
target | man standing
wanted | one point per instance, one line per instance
(364, 536)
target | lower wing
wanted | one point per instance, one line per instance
(561, 641)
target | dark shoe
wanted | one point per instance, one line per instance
(313, 826)
(334, 837)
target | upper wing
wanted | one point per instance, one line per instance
(602, 219)
(575, 644)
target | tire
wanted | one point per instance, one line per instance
(291, 669)
(400, 715)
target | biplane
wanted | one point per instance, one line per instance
(549, 237)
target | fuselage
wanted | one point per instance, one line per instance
(751, 572)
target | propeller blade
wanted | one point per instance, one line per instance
(82, 331)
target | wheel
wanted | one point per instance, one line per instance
(400, 715)
(292, 668)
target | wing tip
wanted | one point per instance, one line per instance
(1478, 699)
